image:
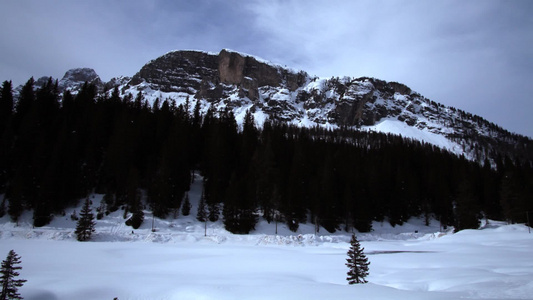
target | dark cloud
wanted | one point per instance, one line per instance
(474, 55)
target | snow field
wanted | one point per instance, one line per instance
(492, 263)
(396, 127)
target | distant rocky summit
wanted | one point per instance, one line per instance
(75, 78)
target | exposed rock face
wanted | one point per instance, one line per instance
(231, 67)
(207, 76)
(179, 71)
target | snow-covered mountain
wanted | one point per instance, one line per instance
(241, 82)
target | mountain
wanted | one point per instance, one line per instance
(318, 158)
(75, 78)
(241, 82)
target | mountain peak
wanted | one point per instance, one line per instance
(75, 78)
(203, 74)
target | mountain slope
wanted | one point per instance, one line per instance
(241, 82)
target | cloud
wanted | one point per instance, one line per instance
(115, 38)
(474, 55)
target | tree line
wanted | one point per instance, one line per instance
(56, 150)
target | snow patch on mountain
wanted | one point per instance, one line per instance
(396, 127)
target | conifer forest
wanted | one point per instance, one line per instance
(56, 150)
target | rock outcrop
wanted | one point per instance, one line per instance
(207, 76)
(178, 71)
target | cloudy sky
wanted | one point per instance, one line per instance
(475, 55)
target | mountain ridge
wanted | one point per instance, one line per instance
(316, 158)
(240, 82)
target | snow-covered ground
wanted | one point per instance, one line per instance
(492, 263)
(177, 261)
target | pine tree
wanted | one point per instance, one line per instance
(357, 263)
(6, 104)
(86, 223)
(25, 101)
(186, 208)
(136, 219)
(201, 215)
(8, 282)
(214, 212)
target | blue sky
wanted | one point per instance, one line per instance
(474, 55)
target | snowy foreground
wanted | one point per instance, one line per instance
(178, 262)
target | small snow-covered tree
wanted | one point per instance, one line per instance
(357, 263)
(86, 223)
(8, 273)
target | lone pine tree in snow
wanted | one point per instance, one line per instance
(357, 263)
(86, 223)
(8, 273)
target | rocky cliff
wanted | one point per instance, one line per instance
(212, 76)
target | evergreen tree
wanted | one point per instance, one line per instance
(6, 104)
(357, 263)
(186, 208)
(16, 198)
(238, 211)
(201, 215)
(86, 223)
(8, 272)
(136, 219)
(511, 196)
(25, 101)
(135, 206)
(467, 214)
(214, 212)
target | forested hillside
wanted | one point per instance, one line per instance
(56, 150)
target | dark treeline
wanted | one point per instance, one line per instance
(54, 152)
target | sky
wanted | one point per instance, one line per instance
(474, 55)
